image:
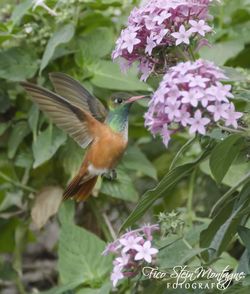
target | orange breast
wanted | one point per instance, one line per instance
(106, 149)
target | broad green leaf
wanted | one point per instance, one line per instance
(80, 256)
(224, 154)
(221, 52)
(47, 144)
(105, 289)
(19, 132)
(108, 75)
(24, 159)
(135, 159)
(95, 44)
(179, 251)
(12, 199)
(224, 226)
(63, 289)
(46, 204)
(20, 10)
(66, 212)
(71, 156)
(122, 187)
(163, 189)
(18, 64)
(61, 36)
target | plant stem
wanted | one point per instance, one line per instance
(17, 184)
(180, 151)
(190, 198)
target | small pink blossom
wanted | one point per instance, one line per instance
(232, 116)
(199, 27)
(198, 123)
(145, 252)
(129, 242)
(129, 40)
(182, 36)
(116, 275)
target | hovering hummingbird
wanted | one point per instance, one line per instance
(73, 109)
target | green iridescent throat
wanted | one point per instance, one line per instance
(117, 118)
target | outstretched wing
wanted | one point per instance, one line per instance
(75, 93)
(78, 123)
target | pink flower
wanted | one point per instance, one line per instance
(232, 116)
(122, 260)
(190, 95)
(129, 40)
(219, 110)
(160, 18)
(198, 123)
(182, 36)
(173, 110)
(199, 27)
(159, 24)
(116, 275)
(150, 45)
(129, 242)
(145, 252)
(127, 247)
(198, 81)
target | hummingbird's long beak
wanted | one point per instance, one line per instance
(134, 98)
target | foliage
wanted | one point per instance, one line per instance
(190, 176)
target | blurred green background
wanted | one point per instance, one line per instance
(37, 160)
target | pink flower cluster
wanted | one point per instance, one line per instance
(156, 28)
(191, 95)
(133, 249)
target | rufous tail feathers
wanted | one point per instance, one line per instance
(80, 187)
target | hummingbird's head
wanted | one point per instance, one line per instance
(122, 100)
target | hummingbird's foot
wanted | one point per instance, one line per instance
(110, 175)
(113, 174)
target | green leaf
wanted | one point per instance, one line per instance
(224, 226)
(244, 234)
(105, 289)
(33, 119)
(71, 156)
(20, 10)
(165, 186)
(63, 289)
(18, 64)
(96, 44)
(3, 127)
(66, 212)
(221, 52)
(80, 256)
(19, 132)
(108, 75)
(135, 159)
(62, 36)
(122, 187)
(223, 156)
(47, 144)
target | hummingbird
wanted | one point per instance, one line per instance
(83, 117)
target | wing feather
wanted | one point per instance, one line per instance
(75, 93)
(70, 118)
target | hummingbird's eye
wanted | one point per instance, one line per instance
(118, 100)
